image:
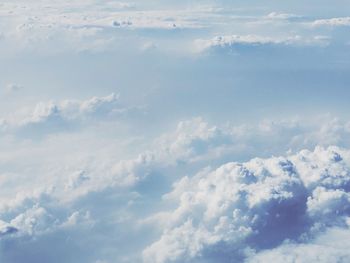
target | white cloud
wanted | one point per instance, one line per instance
(13, 87)
(337, 21)
(331, 246)
(100, 26)
(328, 204)
(91, 179)
(34, 221)
(218, 209)
(277, 15)
(6, 229)
(61, 26)
(232, 41)
(57, 115)
(257, 204)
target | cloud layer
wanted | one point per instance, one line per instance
(229, 141)
(229, 210)
(99, 26)
(257, 205)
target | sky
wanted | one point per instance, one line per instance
(170, 131)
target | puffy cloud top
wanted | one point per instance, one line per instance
(46, 115)
(258, 204)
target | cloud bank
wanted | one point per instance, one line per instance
(183, 200)
(253, 41)
(257, 205)
(52, 117)
(229, 141)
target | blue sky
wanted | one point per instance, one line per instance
(174, 131)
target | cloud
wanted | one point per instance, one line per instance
(331, 246)
(6, 229)
(90, 179)
(33, 221)
(195, 144)
(52, 117)
(337, 21)
(209, 216)
(241, 41)
(13, 87)
(258, 204)
(108, 26)
(60, 26)
(282, 16)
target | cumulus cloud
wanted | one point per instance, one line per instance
(331, 246)
(13, 87)
(91, 180)
(236, 41)
(258, 204)
(100, 26)
(33, 220)
(192, 142)
(70, 109)
(61, 26)
(56, 116)
(6, 229)
(236, 210)
(278, 15)
(196, 143)
(337, 21)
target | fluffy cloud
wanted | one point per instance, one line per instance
(100, 26)
(258, 204)
(283, 16)
(85, 25)
(217, 211)
(70, 109)
(13, 87)
(331, 246)
(236, 41)
(195, 144)
(95, 181)
(6, 229)
(67, 112)
(338, 21)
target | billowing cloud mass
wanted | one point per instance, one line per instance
(330, 246)
(174, 131)
(240, 209)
